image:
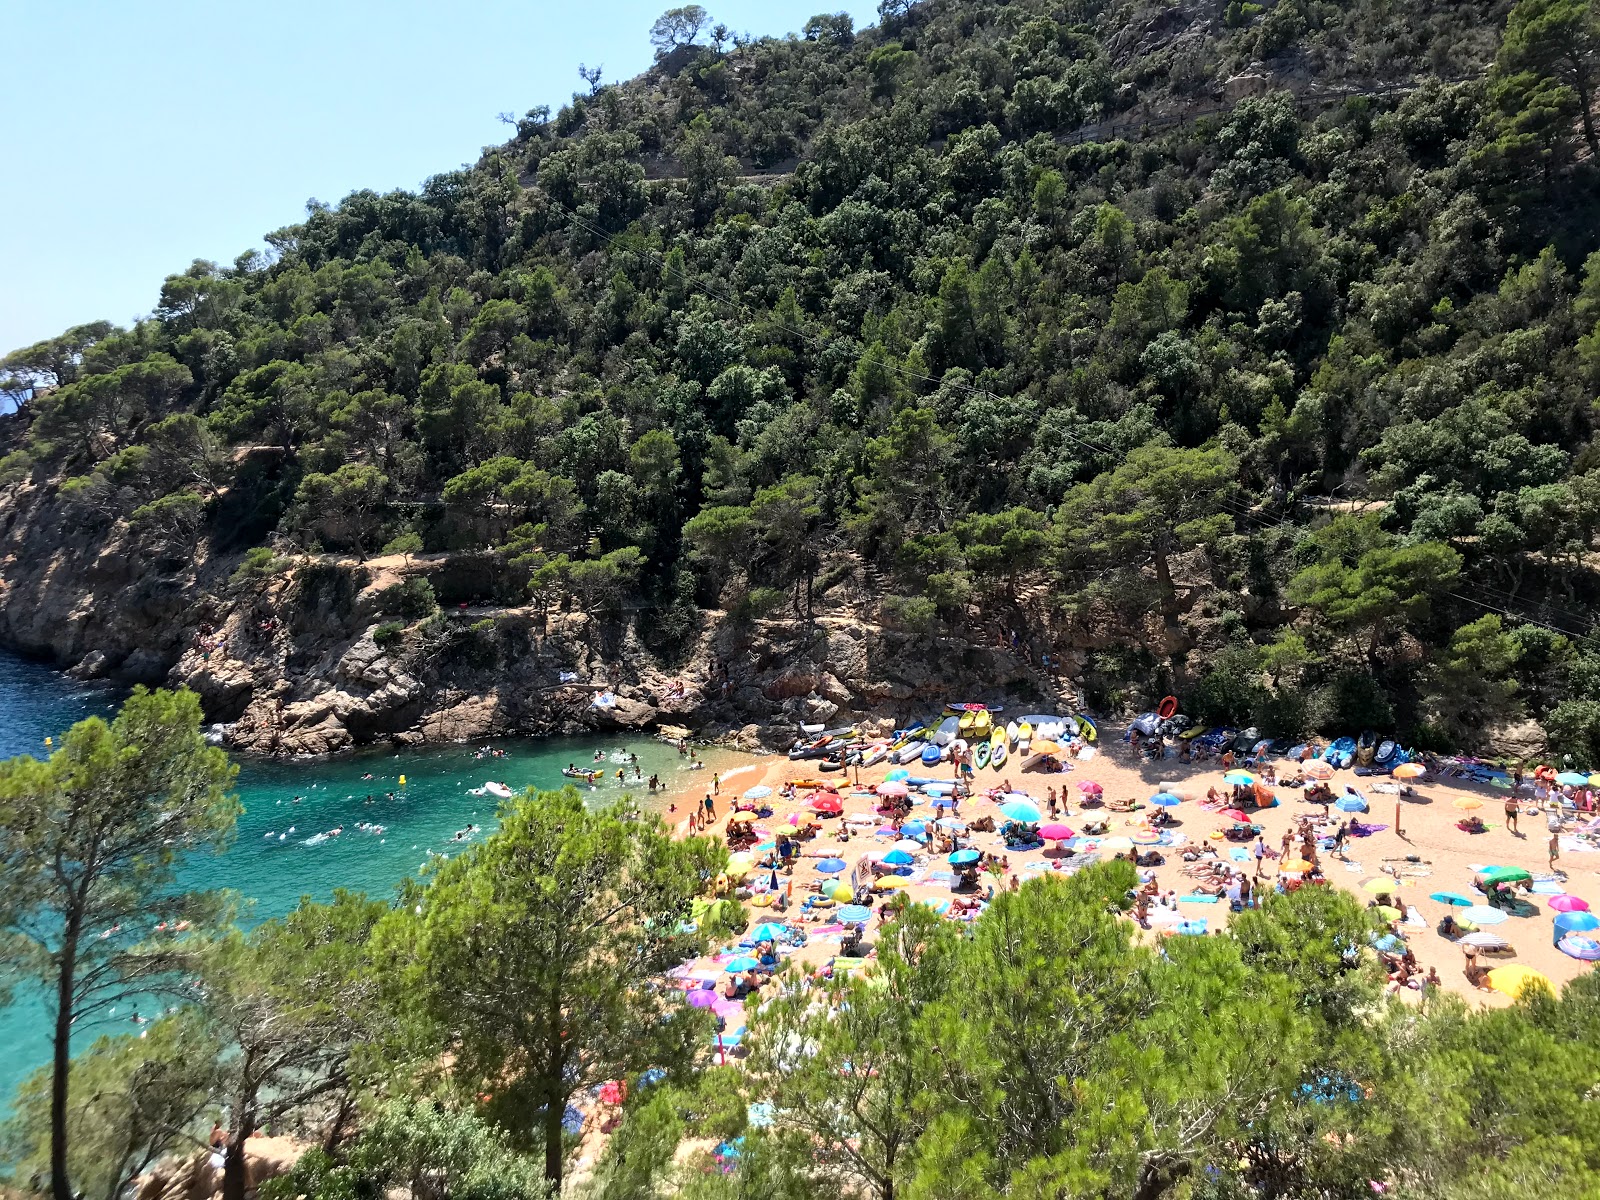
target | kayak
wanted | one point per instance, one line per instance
(980, 756)
(997, 755)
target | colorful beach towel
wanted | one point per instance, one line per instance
(1197, 898)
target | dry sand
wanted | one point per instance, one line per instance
(1428, 821)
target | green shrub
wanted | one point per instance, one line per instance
(389, 633)
(412, 598)
(259, 563)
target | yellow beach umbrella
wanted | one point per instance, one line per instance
(1511, 980)
(1410, 771)
(1382, 883)
(1116, 844)
(739, 865)
(1388, 913)
(741, 818)
(894, 881)
(1468, 803)
(1046, 746)
(1294, 864)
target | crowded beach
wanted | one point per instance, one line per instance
(1478, 876)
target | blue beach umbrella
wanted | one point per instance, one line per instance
(760, 792)
(1350, 804)
(1576, 922)
(743, 963)
(831, 866)
(1021, 811)
(898, 775)
(962, 857)
(852, 913)
(898, 858)
(1165, 800)
(1571, 779)
(1455, 898)
(768, 932)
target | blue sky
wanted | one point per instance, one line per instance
(139, 136)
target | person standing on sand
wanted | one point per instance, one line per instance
(1552, 822)
(1511, 814)
(1260, 853)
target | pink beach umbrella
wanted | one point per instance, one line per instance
(894, 788)
(1089, 787)
(1054, 831)
(1565, 903)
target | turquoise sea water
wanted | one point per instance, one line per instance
(285, 847)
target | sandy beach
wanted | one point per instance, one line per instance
(1416, 843)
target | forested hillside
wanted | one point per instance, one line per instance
(1249, 350)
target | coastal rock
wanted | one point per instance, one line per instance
(626, 713)
(1521, 740)
(747, 739)
(145, 666)
(92, 665)
(224, 687)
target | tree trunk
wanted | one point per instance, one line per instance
(1580, 81)
(555, 1108)
(1177, 641)
(1157, 1173)
(235, 1171)
(61, 1064)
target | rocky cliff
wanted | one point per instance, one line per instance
(299, 655)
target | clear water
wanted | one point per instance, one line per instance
(285, 846)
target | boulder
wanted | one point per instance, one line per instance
(92, 665)
(1521, 740)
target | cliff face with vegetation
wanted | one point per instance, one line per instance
(1082, 351)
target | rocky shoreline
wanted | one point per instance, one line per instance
(307, 655)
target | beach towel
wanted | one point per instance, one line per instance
(1354, 868)
(1197, 898)
(1363, 829)
(941, 876)
(1550, 888)
(1414, 918)
(1195, 925)
(1239, 854)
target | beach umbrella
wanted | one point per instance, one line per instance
(838, 889)
(1021, 811)
(1453, 898)
(767, 931)
(951, 824)
(1389, 944)
(802, 819)
(1565, 903)
(1388, 912)
(741, 818)
(1483, 940)
(1578, 946)
(894, 881)
(1350, 804)
(944, 802)
(897, 775)
(1164, 800)
(1382, 883)
(831, 866)
(1514, 979)
(1572, 779)
(1116, 845)
(743, 963)
(1505, 874)
(1482, 914)
(1146, 837)
(1294, 864)
(1317, 769)
(961, 858)
(907, 846)
(1089, 787)
(1577, 922)
(892, 788)
(827, 803)
(1234, 814)
(851, 914)
(1467, 803)
(702, 998)
(898, 858)
(739, 865)
(1054, 831)
(1409, 771)
(1238, 779)
(760, 792)
(1046, 746)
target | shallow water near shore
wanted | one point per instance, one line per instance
(286, 847)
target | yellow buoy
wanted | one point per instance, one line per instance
(402, 781)
(49, 741)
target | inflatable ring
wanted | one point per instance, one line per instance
(822, 902)
(761, 901)
(1167, 708)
